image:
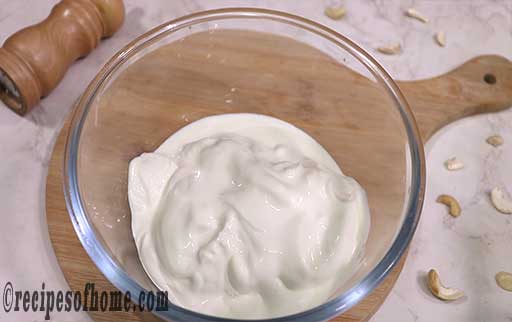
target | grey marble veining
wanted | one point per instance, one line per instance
(467, 251)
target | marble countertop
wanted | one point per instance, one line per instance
(467, 251)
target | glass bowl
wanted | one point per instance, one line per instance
(244, 60)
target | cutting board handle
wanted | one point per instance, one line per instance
(481, 85)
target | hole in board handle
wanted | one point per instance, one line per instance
(490, 79)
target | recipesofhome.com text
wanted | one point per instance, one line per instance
(89, 299)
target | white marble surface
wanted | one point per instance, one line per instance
(467, 251)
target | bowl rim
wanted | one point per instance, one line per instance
(110, 268)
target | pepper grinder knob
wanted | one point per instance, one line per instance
(34, 60)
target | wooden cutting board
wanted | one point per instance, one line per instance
(483, 84)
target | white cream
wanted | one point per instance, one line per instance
(245, 216)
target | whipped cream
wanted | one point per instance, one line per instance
(246, 216)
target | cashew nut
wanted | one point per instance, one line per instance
(440, 291)
(504, 280)
(452, 203)
(495, 140)
(335, 13)
(453, 164)
(390, 50)
(441, 38)
(500, 201)
(413, 13)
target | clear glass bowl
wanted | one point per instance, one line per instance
(244, 60)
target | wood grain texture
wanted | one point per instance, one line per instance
(309, 89)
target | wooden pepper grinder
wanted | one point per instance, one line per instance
(34, 59)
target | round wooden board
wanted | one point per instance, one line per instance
(435, 102)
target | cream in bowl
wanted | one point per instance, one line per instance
(246, 216)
